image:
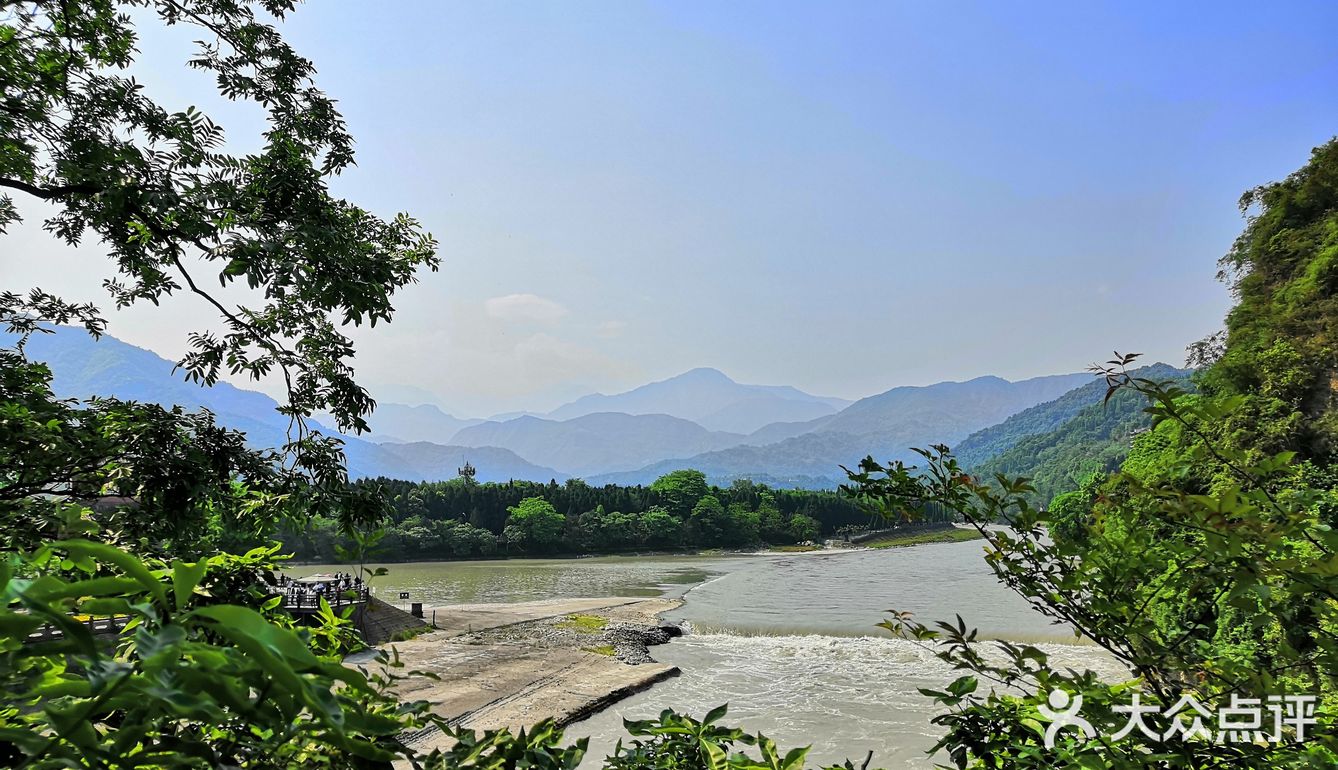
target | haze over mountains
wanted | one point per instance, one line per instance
(704, 396)
(599, 442)
(700, 419)
(404, 424)
(84, 367)
(886, 425)
(711, 399)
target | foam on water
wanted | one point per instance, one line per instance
(844, 695)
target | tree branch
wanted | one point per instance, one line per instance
(50, 193)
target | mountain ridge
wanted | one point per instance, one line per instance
(600, 442)
(598, 446)
(886, 424)
(83, 367)
(709, 398)
(996, 439)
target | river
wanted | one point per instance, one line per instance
(788, 640)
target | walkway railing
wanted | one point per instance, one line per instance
(295, 602)
(310, 601)
(95, 626)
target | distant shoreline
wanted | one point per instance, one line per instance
(910, 537)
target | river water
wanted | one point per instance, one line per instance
(789, 641)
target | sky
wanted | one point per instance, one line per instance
(843, 197)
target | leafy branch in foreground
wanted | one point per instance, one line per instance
(83, 143)
(1221, 594)
(193, 679)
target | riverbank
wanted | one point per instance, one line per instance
(951, 534)
(783, 638)
(511, 665)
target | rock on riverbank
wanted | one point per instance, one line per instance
(511, 665)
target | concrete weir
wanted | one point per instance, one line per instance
(511, 665)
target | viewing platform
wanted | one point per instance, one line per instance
(302, 596)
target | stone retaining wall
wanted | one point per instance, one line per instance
(380, 622)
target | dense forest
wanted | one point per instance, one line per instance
(462, 518)
(1093, 442)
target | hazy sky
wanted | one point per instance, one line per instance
(842, 197)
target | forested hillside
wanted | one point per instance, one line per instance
(1063, 442)
(984, 445)
(1094, 441)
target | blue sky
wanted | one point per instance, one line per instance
(840, 196)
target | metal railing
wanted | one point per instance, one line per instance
(310, 601)
(298, 602)
(95, 626)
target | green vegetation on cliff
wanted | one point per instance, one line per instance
(1095, 440)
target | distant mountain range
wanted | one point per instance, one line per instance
(886, 425)
(83, 367)
(712, 400)
(701, 419)
(403, 424)
(600, 442)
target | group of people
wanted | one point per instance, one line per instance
(296, 592)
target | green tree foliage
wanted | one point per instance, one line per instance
(1094, 440)
(190, 681)
(803, 528)
(771, 522)
(461, 519)
(680, 491)
(1071, 512)
(153, 479)
(709, 522)
(176, 212)
(742, 526)
(534, 524)
(662, 528)
(672, 741)
(1278, 352)
(207, 671)
(1206, 596)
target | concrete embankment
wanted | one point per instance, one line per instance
(380, 623)
(511, 665)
